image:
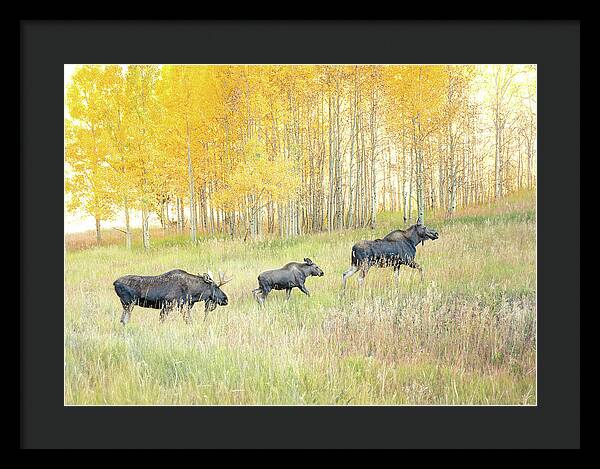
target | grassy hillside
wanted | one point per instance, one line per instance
(465, 335)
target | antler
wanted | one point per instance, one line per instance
(222, 280)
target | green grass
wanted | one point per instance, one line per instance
(466, 335)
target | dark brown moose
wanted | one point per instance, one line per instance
(396, 249)
(175, 289)
(291, 275)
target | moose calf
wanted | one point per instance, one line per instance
(291, 275)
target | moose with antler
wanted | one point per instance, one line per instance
(175, 289)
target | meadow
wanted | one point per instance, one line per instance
(466, 334)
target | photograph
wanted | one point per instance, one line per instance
(327, 234)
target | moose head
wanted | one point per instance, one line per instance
(216, 296)
(423, 233)
(313, 268)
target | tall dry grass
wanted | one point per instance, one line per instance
(465, 335)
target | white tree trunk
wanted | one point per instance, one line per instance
(191, 187)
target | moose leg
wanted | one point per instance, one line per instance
(397, 274)
(304, 290)
(288, 292)
(164, 312)
(364, 269)
(259, 295)
(414, 265)
(187, 314)
(208, 307)
(349, 273)
(126, 313)
(262, 296)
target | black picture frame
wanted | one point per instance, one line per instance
(46, 45)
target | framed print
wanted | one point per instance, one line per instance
(300, 226)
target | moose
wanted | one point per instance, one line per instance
(174, 289)
(397, 248)
(291, 275)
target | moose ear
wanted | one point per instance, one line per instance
(207, 278)
(308, 261)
